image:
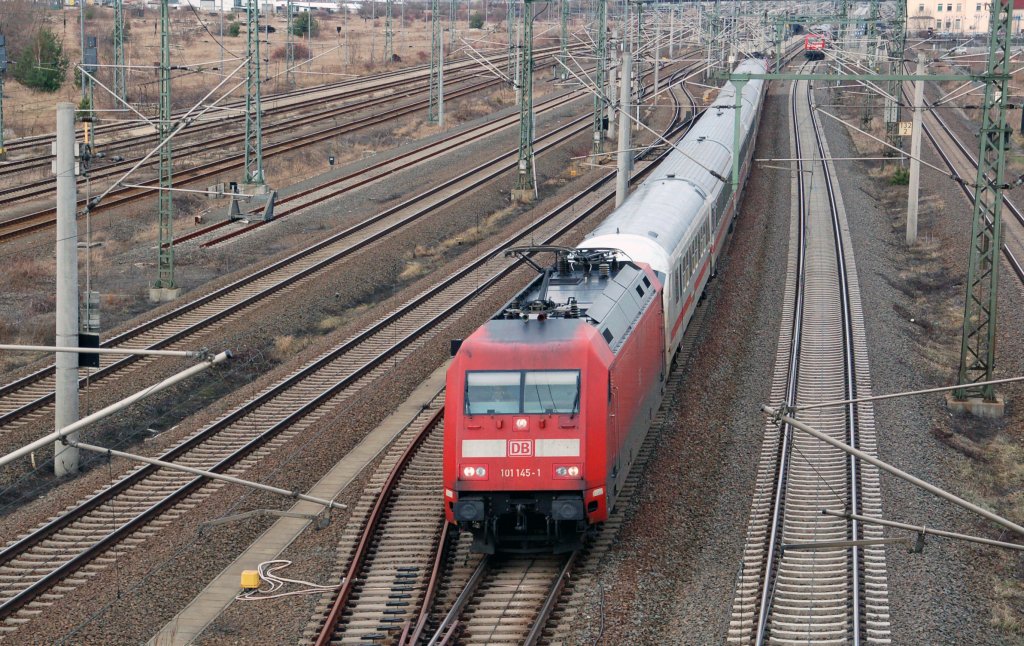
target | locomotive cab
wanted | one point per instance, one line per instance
(523, 434)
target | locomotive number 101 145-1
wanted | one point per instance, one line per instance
(520, 473)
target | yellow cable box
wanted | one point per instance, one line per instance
(250, 579)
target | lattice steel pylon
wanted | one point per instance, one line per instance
(874, 12)
(600, 72)
(978, 344)
(453, 15)
(510, 21)
(389, 33)
(165, 203)
(253, 104)
(525, 186)
(436, 43)
(289, 46)
(120, 79)
(563, 54)
(897, 43)
(3, 72)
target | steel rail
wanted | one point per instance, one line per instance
(786, 432)
(482, 129)
(35, 377)
(31, 222)
(450, 622)
(200, 128)
(849, 369)
(370, 529)
(412, 634)
(101, 498)
(773, 553)
(254, 298)
(434, 189)
(370, 80)
(551, 601)
(1015, 265)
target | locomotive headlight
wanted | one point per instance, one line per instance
(566, 471)
(473, 472)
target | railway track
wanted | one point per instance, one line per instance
(399, 587)
(832, 593)
(45, 218)
(378, 171)
(52, 559)
(27, 399)
(41, 566)
(24, 401)
(962, 163)
(211, 136)
(302, 97)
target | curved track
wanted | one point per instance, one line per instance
(394, 581)
(828, 594)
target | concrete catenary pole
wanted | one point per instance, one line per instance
(624, 156)
(65, 458)
(915, 156)
(657, 62)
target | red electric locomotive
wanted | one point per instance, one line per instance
(814, 46)
(548, 402)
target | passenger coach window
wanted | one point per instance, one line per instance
(551, 391)
(492, 392)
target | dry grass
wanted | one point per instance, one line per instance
(23, 274)
(287, 346)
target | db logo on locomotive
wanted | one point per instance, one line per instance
(520, 448)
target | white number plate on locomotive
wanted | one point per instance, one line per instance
(520, 473)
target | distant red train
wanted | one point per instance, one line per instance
(548, 402)
(815, 46)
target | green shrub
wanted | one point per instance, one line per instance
(476, 21)
(42, 64)
(234, 29)
(304, 23)
(900, 177)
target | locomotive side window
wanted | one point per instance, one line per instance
(492, 392)
(551, 391)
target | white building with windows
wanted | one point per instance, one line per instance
(956, 17)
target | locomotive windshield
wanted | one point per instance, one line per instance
(506, 392)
